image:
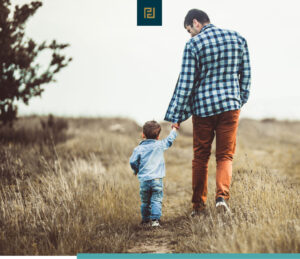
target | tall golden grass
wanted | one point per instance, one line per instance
(72, 191)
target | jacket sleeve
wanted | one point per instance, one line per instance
(245, 74)
(180, 99)
(135, 161)
(168, 141)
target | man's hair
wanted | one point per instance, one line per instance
(199, 15)
(151, 129)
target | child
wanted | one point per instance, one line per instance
(147, 162)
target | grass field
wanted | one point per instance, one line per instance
(66, 188)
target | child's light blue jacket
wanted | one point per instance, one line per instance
(147, 159)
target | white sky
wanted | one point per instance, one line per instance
(120, 69)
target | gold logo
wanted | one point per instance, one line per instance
(149, 12)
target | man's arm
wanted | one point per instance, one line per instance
(135, 161)
(168, 141)
(245, 74)
(184, 86)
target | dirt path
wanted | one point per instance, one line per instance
(160, 239)
(176, 204)
(152, 241)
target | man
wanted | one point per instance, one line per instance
(213, 85)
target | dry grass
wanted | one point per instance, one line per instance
(265, 196)
(68, 202)
(78, 194)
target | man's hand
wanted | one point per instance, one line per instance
(175, 125)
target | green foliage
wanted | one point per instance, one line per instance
(21, 77)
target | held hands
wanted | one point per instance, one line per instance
(175, 125)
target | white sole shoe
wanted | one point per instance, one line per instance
(222, 206)
(155, 223)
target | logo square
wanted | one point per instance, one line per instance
(149, 12)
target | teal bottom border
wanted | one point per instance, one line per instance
(190, 256)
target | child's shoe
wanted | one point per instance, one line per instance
(145, 223)
(155, 223)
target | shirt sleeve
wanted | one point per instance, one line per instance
(179, 103)
(245, 74)
(135, 161)
(168, 141)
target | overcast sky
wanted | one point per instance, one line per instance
(120, 69)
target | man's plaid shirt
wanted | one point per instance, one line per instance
(215, 75)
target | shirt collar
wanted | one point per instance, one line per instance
(206, 27)
(147, 141)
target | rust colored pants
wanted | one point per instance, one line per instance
(224, 126)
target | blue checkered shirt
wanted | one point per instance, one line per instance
(215, 75)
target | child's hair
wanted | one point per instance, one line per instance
(151, 129)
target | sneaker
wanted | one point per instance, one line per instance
(221, 205)
(198, 211)
(155, 223)
(195, 213)
(145, 223)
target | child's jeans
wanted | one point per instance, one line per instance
(151, 193)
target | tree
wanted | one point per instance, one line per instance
(21, 76)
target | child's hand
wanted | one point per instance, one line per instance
(175, 126)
